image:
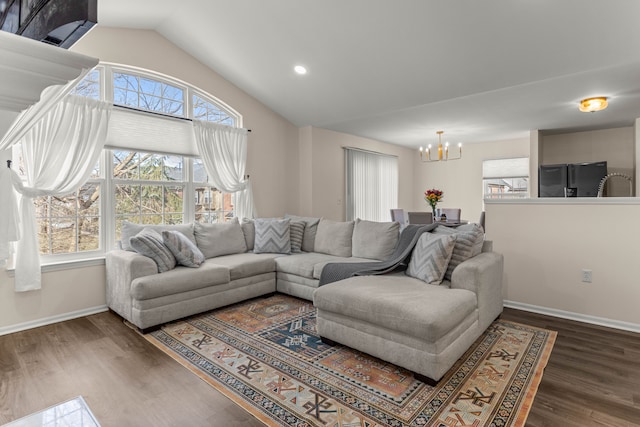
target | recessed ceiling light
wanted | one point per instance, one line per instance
(300, 70)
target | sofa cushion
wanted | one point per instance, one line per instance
(398, 303)
(468, 244)
(247, 264)
(302, 264)
(149, 243)
(272, 236)
(375, 240)
(249, 231)
(185, 251)
(296, 232)
(310, 229)
(334, 238)
(430, 257)
(180, 279)
(130, 229)
(218, 239)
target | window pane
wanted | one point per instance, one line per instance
(150, 167)
(63, 235)
(173, 168)
(173, 219)
(120, 219)
(151, 219)
(199, 172)
(148, 94)
(125, 165)
(88, 233)
(205, 110)
(89, 199)
(151, 197)
(173, 199)
(89, 86)
(127, 199)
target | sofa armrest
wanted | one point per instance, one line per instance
(123, 267)
(482, 275)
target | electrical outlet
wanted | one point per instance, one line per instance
(586, 276)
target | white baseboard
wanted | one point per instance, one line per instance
(600, 321)
(53, 319)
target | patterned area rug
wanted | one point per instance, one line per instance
(265, 355)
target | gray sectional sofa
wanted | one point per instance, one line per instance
(422, 327)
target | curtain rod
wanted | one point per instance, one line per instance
(169, 116)
(369, 151)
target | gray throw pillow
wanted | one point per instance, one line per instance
(130, 229)
(310, 229)
(375, 240)
(149, 243)
(468, 244)
(249, 231)
(183, 249)
(272, 236)
(219, 239)
(430, 258)
(296, 232)
(334, 238)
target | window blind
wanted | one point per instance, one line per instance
(371, 185)
(517, 167)
(146, 132)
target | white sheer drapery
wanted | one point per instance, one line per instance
(9, 218)
(224, 153)
(371, 185)
(59, 154)
(49, 98)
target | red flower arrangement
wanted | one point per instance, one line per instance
(432, 197)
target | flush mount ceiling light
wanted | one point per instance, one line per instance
(299, 69)
(591, 105)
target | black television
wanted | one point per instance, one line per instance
(586, 177)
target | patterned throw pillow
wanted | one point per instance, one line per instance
(430, 258)
(296, 231)
(272, 236)
(185, 251)
(149, 243)
(468, 244)
(310, 229)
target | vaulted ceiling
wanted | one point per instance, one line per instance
(398, 71)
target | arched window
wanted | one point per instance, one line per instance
(149, 173)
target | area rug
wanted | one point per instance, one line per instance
(265, 355)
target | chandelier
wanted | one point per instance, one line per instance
(443, 152)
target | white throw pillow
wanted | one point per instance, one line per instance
(219, 239)
(375, 240)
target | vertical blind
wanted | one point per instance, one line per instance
(371, 185)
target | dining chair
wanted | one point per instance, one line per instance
(399, 216)
(420, 218)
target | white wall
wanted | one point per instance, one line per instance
(615, 145)
(323, 179)
(461, 180)
(546, 244)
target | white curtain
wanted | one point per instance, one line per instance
(9, 217)
(59, 153)
(371, 185)
(224, 152)
(49, 98)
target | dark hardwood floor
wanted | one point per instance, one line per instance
(592, 379)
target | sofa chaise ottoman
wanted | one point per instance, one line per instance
(422, 327)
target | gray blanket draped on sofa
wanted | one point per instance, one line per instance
(333, 272)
